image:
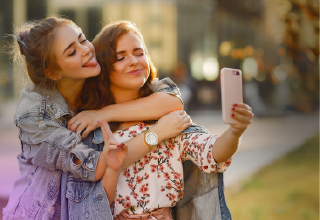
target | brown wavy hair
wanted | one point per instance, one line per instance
(34, 41)
(105, 44)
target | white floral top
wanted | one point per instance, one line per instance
(156, 180)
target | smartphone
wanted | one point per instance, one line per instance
(231, 92)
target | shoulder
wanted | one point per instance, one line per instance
(34, 103)
(29, 102)
(164, 84)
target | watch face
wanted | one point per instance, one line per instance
(152, 138)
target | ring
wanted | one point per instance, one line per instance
(77, 123)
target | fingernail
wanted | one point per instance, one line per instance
(120, 145)
(98, 121)
(232, 115)
(235, 105)
(232, 109)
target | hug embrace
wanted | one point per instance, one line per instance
(103, 138)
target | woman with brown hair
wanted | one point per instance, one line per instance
(65, 75)
(146, 188)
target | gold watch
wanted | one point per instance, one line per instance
(151, 139)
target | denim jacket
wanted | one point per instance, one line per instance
(47, 149)
(203, 195)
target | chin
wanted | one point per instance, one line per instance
(95, 72)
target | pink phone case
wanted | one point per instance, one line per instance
(231, 92)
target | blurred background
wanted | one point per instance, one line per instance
(274, 42)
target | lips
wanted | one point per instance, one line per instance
(91, 62)
(135, 72)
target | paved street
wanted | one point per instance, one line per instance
(265, 140)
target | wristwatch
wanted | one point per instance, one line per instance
(151, 139)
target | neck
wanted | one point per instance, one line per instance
(71, 91)
(124, 95)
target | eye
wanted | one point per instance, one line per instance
(73, 53)
(84, 40)
(120, 59)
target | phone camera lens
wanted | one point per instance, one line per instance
(237, 73)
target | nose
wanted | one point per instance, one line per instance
(85, 50)
(133, 60)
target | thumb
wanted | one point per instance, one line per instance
(106, 132)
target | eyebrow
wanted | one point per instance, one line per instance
(135, 49)
(70, 45)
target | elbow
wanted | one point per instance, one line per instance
(170, 102)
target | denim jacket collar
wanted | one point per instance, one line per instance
(58, 104)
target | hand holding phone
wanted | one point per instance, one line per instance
(231, 92)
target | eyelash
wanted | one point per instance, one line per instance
(74, 52)
(122, 58)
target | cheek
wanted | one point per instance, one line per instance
(71, 64)
(145, 63)
(115, 78)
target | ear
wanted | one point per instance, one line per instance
(51, 75)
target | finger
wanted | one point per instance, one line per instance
(81, 127)
(241, 118)
(186, 120)
(242, 105)
(71, 122)
(110, 147)
(112, 142)
(73, 127)
(180, 112)
(125, 147)
(87, 131)
(107, 133)
(186, 125)
(122, 147)
(242, 111)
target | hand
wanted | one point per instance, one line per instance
(86, 120)
(114, 153)
(243, 114)
(171, 125)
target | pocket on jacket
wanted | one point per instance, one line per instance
(78, 190)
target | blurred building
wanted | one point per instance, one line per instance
(274, 43)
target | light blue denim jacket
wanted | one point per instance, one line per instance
(48, 148)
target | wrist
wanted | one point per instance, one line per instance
(114, 173)
(234, 133)
(104, 114)
(158, 132)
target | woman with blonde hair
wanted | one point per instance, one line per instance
(66, 79)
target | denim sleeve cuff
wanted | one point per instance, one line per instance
(89, 159)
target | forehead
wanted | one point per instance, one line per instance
(64, 36)
(129, 41)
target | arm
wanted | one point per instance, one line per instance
(165, 99)
(227, 144)
(109, 183)
(115, 154)
(168, 126)
(52, 146)
(212, 153)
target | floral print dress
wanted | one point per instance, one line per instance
(156, 180)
